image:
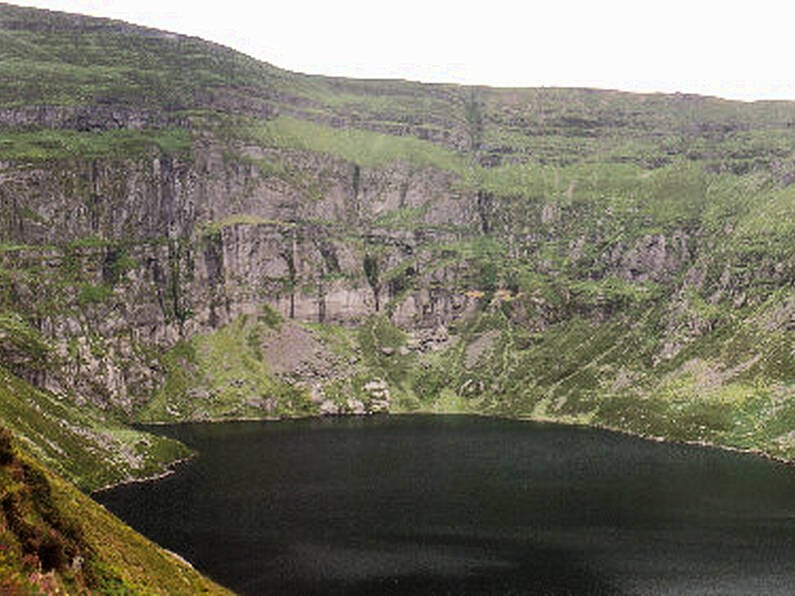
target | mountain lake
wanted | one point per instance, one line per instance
(466, 505)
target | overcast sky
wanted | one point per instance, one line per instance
(738, 50)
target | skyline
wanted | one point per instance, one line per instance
(704, 48)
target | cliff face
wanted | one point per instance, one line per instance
(147, 251)
(126, 257)
(198, 235)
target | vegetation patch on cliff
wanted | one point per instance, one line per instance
(223, 375)
(48, 144)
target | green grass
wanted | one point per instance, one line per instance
(381, 342)
(54, 539)
(242, 219)
(222, 375)
(769, 224)
(80, 60)
(93, 294)
(22, 345)
(82, 444)
(364, 148)
(44, 145)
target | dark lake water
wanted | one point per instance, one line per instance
(465, 505)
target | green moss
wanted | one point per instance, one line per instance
(404, 218)
(117, 263)
(223, 375)
(215, 227)
(93, 294)
(381, 344)
(52, 144)
(21, 345)
(613, 291)
(270, 317)
(360, 147)
(341, 341)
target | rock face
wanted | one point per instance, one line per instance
(186, 246)
(183, 247)
(137, 254)
(654, 258)
(85, 118)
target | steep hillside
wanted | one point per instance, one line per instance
(76, 439)
(198, 235)
(55, 540)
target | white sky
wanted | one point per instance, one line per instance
(734, 49)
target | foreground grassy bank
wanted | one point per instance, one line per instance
(56, 540)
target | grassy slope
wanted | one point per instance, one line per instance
(56, 59)
(223, 375)
(54, 539)
(81, 444)
(40, 145)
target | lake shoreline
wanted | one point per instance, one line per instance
(172, 467)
